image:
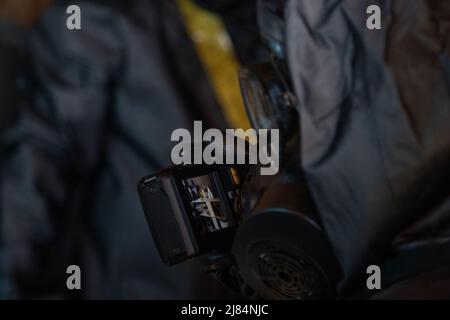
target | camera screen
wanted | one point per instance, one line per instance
(206, 205)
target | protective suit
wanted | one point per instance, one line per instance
(98, 107)
(375, 124)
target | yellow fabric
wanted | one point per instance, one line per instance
(218, 58)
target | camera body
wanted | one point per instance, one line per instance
(192, 209)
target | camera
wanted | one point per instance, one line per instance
(192, 209)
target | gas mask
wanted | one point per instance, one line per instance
(259, 235)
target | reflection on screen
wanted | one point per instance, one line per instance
(207, 209)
